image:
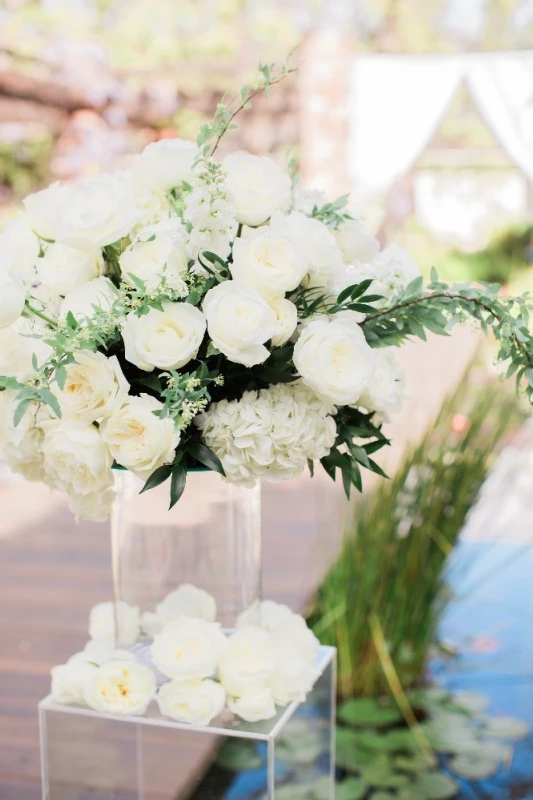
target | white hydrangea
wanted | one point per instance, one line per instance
(269, 433)
(210, 212)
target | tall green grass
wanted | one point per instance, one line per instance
(393, 559)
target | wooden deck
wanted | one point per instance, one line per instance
(52, 571)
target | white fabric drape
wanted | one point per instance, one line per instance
(397, 103)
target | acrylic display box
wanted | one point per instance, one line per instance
(91, 756)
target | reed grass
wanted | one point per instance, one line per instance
(391, 569)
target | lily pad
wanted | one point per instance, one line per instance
(381, 774)
(472, 702)
(363, 711)
(506, 728)
(450, 733)
(238, 756)
(381, 796)
(318, 790)
(413, 762)
(351, 789)
(302, 750)
(430, 786)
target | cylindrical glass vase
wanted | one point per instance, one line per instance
(211, 539)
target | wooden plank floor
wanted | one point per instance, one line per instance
(53, 571)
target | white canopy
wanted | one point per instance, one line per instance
(397, 103)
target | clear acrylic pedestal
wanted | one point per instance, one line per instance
(91, 756)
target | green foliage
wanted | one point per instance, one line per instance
(398, 541)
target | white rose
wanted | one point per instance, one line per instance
(164, 165)
(69, 680)
(239, 322)
(82, 300)
(121, 687)
(152, 257)
(62, 268)
(76, 459)
(138, 439)
(94, 507)
(267, 614)
(385, 391)
(150, 624)
(99, 652)
(286, 319)
(188, 648)
(103, 618)
(187, 600)
(334, 359)
(96, 212)
(94, 388)
(19, 243)
(254, 706)
(21, 445)
(17, 349)
(316, 246)
(355, 242)
(43, 210)
(12, 295)
(267, 262)
(394, 268)
(196, 702)
(294, 673)
(166, 339)
(247, 664)
(258, 187)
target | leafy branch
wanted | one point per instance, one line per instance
(225, 114)
(440, 307)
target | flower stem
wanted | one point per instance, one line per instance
(40, 314)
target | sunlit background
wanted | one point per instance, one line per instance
(423, 111)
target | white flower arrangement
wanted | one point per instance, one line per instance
(179, 656)
(194, 311)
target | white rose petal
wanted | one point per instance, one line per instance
(188, 648)
(97, 212)
(394, 268)
(166, 339)
(69, 681)
(196, 702)
(82, 300)
(21, 445)
(99, 652)
(294, 674)
(76, 459)
(316, 246)
(267, 262)
(103, 619)
(138, 439)
(187, 600)
(21, 246)
(63, 268)
(385, 392)
(94, 387)
(254, 706)
(334, 358)
(248, 661)
(164, 165)
(154, 256)
(121, 687)
(93, 507)
(286, 319)
(355, 242)
(258, 187)
(17, 349)
(43, 210)
(12, 297)
(239, 322)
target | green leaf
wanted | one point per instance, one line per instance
(156, 478)
(430, 786)
(239, 755)
(381, 774)
(71, 321)
(61, 376)
(351, 789)
(21, 410)
(177, 483)
(204, 454)
(363, 711)
(51, 400)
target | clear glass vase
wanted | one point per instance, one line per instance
(211, 539)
